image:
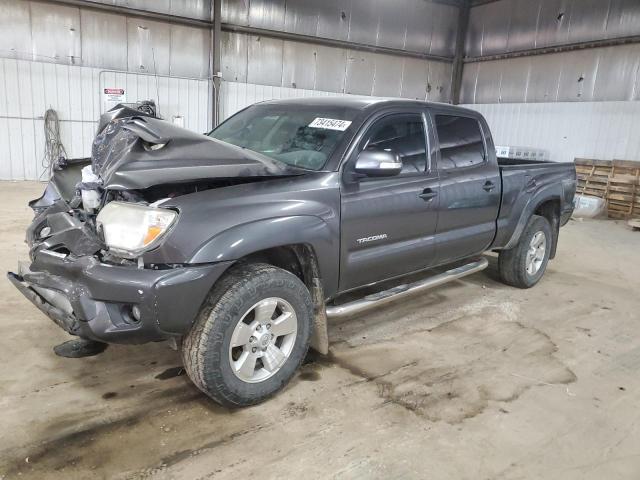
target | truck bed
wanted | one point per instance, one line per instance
(523, 182)
(525, 163)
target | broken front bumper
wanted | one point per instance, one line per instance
(95, 300)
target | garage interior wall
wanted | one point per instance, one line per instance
(414, 26)
(575, 102)
(535, 91)
(60, 55)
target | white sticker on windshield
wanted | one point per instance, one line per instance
(330, 124)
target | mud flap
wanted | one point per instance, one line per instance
(320, 334)
(79, 348)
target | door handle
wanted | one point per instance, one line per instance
(488, 186)
(427, 194)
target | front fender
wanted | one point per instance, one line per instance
(245, 239)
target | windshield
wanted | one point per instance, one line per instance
(302, 136)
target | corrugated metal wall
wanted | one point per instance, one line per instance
(46, 32)
(60, 50)
(55, 57)
(512, 25)
(236, 95)
(601, 74)
(579, 103)
(602, 130)
(75, 92)
(597, 74)
(200, 9)
(283, 63)
(412, 25)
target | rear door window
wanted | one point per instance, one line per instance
(461, 142)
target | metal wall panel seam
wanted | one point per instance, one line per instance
(606, 19)
(6, 109)
(35, 160)
(19, 109)
(482, 40)
(475, 86)
(500, 86)
(636, 79)
(155, 68)
(344, 75)
(558, 81)
(595, 75)
(535, 38)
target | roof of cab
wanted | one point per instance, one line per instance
(358, 102)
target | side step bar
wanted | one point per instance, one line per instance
(401, 291)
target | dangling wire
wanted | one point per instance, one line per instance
(53, 147)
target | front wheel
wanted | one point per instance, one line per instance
(524, 265)
(251, 335)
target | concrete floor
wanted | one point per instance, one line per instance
(474, 380)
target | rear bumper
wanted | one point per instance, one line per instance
(94, 300)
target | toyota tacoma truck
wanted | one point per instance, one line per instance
(238, 245)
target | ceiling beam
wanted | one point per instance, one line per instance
(133, 12)
(609, 42)
(454, 3)
(477, 3)
(295, 37)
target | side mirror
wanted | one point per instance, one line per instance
(378, 163)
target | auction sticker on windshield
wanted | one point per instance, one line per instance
(330, 124)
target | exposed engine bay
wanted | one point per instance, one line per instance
(137, 159)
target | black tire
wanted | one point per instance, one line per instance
(205, 349)
(512, 263)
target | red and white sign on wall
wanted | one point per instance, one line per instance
(112, 97)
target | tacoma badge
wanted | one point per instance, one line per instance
(372, 238)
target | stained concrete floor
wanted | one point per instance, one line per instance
(474, 380)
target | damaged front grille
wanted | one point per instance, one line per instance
(59, 229)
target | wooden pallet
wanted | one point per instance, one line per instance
(617, 181)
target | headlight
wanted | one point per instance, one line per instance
(131, 229)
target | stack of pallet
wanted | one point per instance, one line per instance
(617, 181)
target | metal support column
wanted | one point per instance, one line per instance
(216, 67)
(458, 63)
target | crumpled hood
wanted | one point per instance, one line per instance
(138, 152)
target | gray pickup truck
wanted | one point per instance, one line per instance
(238, 245)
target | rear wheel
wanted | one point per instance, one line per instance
(524, 265)
(250, 336)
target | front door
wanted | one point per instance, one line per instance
(469, 188)
(389, 223)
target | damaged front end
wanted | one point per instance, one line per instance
(98, 216)
(61, 226)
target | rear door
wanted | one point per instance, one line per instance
(388, 224)
(469, 186)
